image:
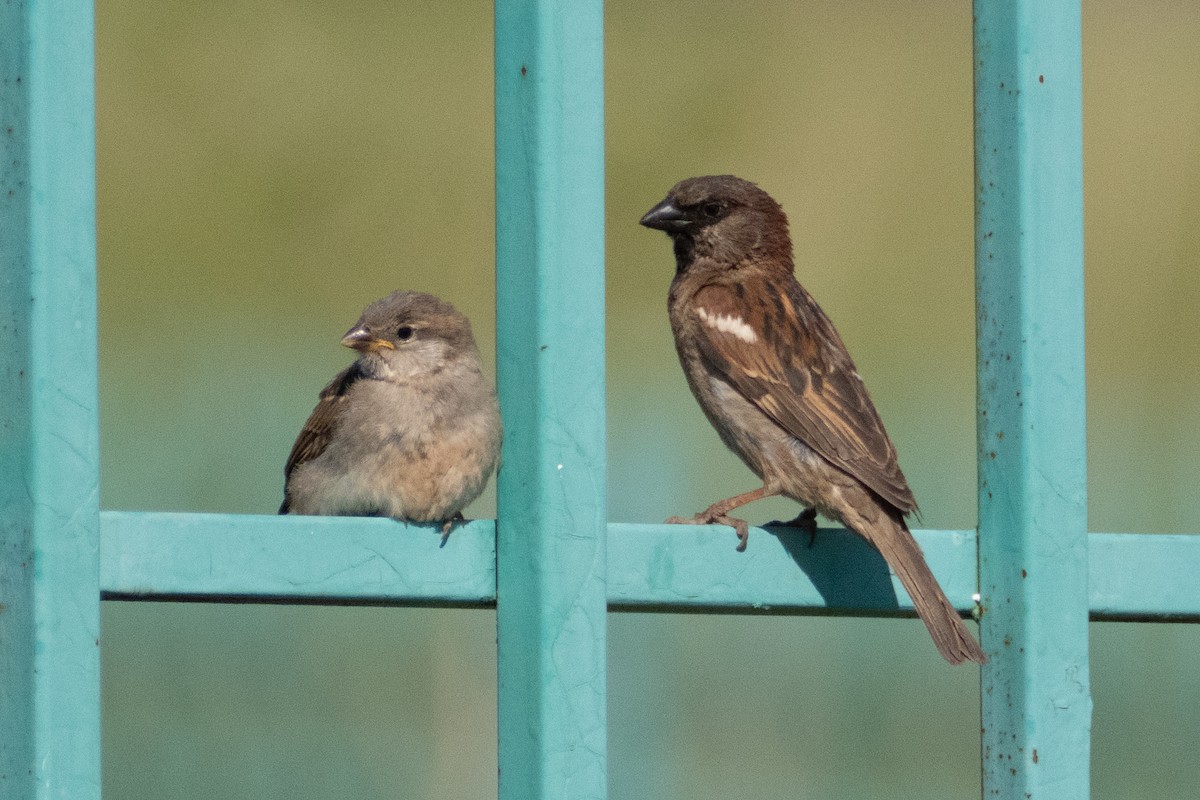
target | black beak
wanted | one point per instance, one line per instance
(666, 217)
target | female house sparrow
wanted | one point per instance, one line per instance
(774, 378)
(410, 430)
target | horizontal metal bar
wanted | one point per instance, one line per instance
(693, 568)
(679, 568)
(292, 559)
(1144, 577)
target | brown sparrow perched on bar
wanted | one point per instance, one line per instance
(774, 378)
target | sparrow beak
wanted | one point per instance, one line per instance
(360, 339)
(666, 217)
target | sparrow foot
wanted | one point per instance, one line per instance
(806, 521)
(707, 517)
(448, 525)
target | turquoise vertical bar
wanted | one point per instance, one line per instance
(551, 599)
(1032, 438)
(49, 513)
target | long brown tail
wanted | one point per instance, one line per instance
(902, 553)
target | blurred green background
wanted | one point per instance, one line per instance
(267, 169)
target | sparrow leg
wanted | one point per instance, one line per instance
(806, 521)
(719, 513)
(448, 524)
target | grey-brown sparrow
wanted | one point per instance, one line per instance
(410, 430)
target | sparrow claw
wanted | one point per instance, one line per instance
(740, 526)
(448, 525)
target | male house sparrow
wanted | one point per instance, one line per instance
(775, 380)
(410, 430)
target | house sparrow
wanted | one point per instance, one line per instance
(410, 430)
(775, 380)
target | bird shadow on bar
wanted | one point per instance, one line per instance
(851, 576)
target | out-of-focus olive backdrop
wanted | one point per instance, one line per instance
(268, 168)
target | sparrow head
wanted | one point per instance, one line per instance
(410, 332)
(725, 219)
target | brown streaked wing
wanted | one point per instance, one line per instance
(314, 436)
(801, 375)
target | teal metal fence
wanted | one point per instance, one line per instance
(551, 565)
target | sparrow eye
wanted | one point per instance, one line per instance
(404, 333)
(712, 210)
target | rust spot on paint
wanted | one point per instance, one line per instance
(992, 455)
(524, 71)
(1041, 78)
(1000, 435)
(1035, 757)
(1024, 574)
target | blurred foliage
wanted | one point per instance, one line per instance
(267, 169)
